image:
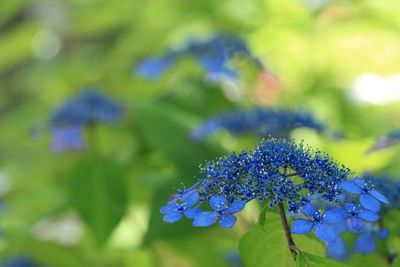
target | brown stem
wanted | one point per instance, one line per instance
(292, 246)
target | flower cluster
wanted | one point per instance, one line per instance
(356, 212)
(87, 108)
(258, 121)
(277, 172)
(386, 141)
(213, 55)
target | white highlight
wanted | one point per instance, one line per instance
(374, 89)
(45, 45)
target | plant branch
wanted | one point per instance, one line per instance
(292, 246)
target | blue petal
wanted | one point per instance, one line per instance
(172, 217)
(205, 218)
(154, 67)
(218, 203)
(379, 196)
(368, 215)
(365, 244)
(360, 182)
(369, 202)
(207, 128)
(355, 225)
(309, 210)
(236, 206)
(325, 233)
(191, 213)
(350, 187)
(382, 234)
(335, 215)
(168, 208)
(337, 250)
(227, 221)
(302, 226)
(190, 197)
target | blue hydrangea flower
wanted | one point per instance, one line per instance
(67, 138)
(213, 55)
(278, 171)
(18, 261)
(153, 67)
(319, 222)
(356, 216)
(258, 121)
(337, 250)
(223, 210)
(68, 121)
(366, 243)
(369, 197)
(181, 206)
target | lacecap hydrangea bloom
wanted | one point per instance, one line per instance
(213, 55)
(278, 172)
(88, 108)
(263, 122)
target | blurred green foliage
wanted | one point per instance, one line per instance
(50, 49)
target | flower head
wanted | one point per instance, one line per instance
(213, 56)
(258, 121)
(87, 108)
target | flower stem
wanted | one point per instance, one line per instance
(292, 246)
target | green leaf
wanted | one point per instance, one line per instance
(308, 260)
(97, 192)
(267, 245)
(167, 129)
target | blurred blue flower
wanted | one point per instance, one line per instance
(85, 109)
(369, 197)
(319, 222)
(67, 138)
(337, 250)
(213, 55)
(223, 210)
(153, 67)
(258, 121)
(366, 243)
(18, 261)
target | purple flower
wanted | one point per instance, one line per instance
(223, 210)
(181, 205)
(369, 197)
(317, 222)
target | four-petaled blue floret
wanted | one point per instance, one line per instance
(319, 222)
(181, 205)
(369, 197)
(223, 210)
(355, 216)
